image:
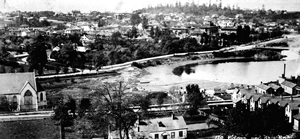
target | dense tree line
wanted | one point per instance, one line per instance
(229, 11)
(33, 22)
(270, 121)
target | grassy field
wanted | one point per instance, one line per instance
(33, 129)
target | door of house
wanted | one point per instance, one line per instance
(165, 137)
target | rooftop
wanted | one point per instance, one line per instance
(288, 84)
(163, 124)
(12, 83)
(263, 86)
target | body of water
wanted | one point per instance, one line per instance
(252, 72)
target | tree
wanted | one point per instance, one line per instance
(160, 97)
(71, 105)
(268, 122)
(101, 23)
(194, 97)
(112, 105)
(134, 32)
(116, 38)
(61, 114)
(152, 32)
(145, 22)
(4, 104)
(38, 58)
(135, 19)
(45, 23)
(85, 104)
(70, 57)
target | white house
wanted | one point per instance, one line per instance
(73, 30)
(297, 121)
(288, 87)
(291, 110)
(264, 89)
(173, 127)
(21, 89)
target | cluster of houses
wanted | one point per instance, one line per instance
(285, 94)
(179, 23)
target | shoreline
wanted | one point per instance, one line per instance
(146, 85)
(148, 79)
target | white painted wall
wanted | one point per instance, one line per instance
(169, 134)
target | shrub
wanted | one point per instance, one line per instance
(138, 65)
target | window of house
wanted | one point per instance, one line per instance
(180, 133)
(41, 97)
(28, 98)
(172, 135)
(15, 100)
(156, 136)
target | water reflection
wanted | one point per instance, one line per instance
(246, 71)
(187, 69)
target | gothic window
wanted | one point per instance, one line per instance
(28, 98)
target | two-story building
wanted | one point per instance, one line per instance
(173, 127)
(292, 109)
(288, 87)
(296, 125)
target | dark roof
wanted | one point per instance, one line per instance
(283, 103)
(288, 84)
(12, 83)
(229, 29)
(40, 88)
(248, 96)
(297, 116)
(294, 105)
(256, 97)
(274, 86)
(247, 93)
(263, 86)
(297, 87)
(274, 100)
(264, 99)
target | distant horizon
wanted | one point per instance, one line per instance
(119, 6)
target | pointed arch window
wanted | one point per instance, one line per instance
(41, 96)
(28, 98)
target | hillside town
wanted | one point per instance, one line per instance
(173, 71)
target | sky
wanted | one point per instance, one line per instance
(130, 5)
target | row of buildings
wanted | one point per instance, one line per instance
(285, 94)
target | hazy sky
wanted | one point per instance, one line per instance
(129, 5)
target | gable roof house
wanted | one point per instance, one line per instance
(22, 90)
(278, 90)
(288, 87)
(173, 127)
(291, 110)
(264, 89)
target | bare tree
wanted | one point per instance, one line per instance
(112, 102)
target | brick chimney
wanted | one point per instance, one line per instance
(284, 67)
(298, 80)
